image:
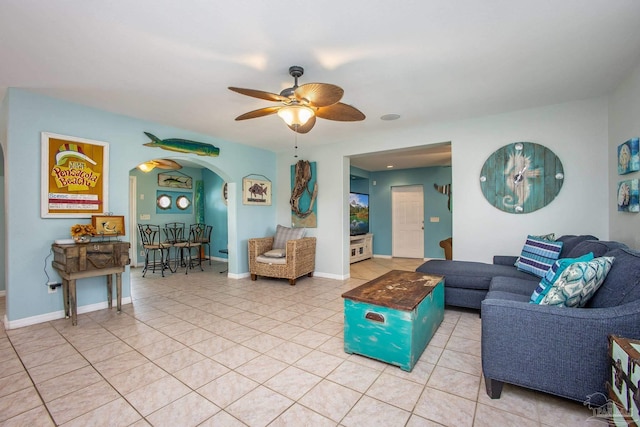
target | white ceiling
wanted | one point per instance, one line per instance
(172, 61)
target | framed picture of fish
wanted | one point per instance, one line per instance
(108, 225)
(256, 191)
(174, 181)
(74, 176)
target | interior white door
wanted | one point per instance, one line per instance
(407, 221)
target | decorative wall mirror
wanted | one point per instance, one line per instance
(164, 201)
(183, 202)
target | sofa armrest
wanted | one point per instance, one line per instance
(558, 350)
(505, 259)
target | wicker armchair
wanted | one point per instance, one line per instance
(300, 259)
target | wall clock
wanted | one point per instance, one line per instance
(521, 177)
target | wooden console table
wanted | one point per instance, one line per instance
(80, 261)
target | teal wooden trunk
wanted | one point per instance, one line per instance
(393, 317)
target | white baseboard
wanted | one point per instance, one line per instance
(331, 275)
(48, 317)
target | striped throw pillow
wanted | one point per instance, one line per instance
(283, 234)
(538, 255)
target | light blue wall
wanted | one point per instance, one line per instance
(30, 237)
(215, 212)
(435, 205)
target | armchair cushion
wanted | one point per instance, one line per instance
(270, 260)
(276, 253)
(283, 234)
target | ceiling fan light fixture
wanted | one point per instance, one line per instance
(146, 166)
(295, 114)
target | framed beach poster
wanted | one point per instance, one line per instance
(74, 176)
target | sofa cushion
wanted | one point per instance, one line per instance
(283, 234)
(512, 285)
(598, 247)
(570, 241)
(578, 282)
(508, 296)
(469, 274)
(553, 274)
(622, 284)
(538, 255)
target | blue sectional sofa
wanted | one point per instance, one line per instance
(557, 350)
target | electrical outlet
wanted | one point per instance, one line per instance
(52, 287)
(141, 253)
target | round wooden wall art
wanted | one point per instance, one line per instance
(521, 177)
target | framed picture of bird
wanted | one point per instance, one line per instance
(108, 225)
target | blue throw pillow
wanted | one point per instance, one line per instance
(538, 255)
(578, 282)
(552, 275)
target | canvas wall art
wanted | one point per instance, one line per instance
(628, 196)
(628, 157)
(304, 191)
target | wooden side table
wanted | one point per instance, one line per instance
(81, 261)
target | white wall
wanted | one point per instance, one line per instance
(576, 132)
(624, 123)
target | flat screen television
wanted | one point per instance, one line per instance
(358, 214)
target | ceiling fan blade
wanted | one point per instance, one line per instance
(319, 94)
(260, 94)
(340, 112)
(258, 113)
(306, 127)
(167, 164)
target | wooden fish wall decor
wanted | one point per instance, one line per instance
(446, 190)
(183, 146)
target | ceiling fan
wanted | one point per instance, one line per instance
(167, 164)
(302, 104)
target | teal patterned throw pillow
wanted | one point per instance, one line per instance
(553, 274)
(578, 282)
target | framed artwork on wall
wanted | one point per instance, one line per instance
(108, 225)
(256, 191)
(304, 191)
(174, 180)
(628, 158)
(74, 176)
(628, 196)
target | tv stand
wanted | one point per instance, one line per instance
(361, 247)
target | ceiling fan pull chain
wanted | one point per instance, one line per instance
(295, 156)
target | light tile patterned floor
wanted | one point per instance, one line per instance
(206, 350)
